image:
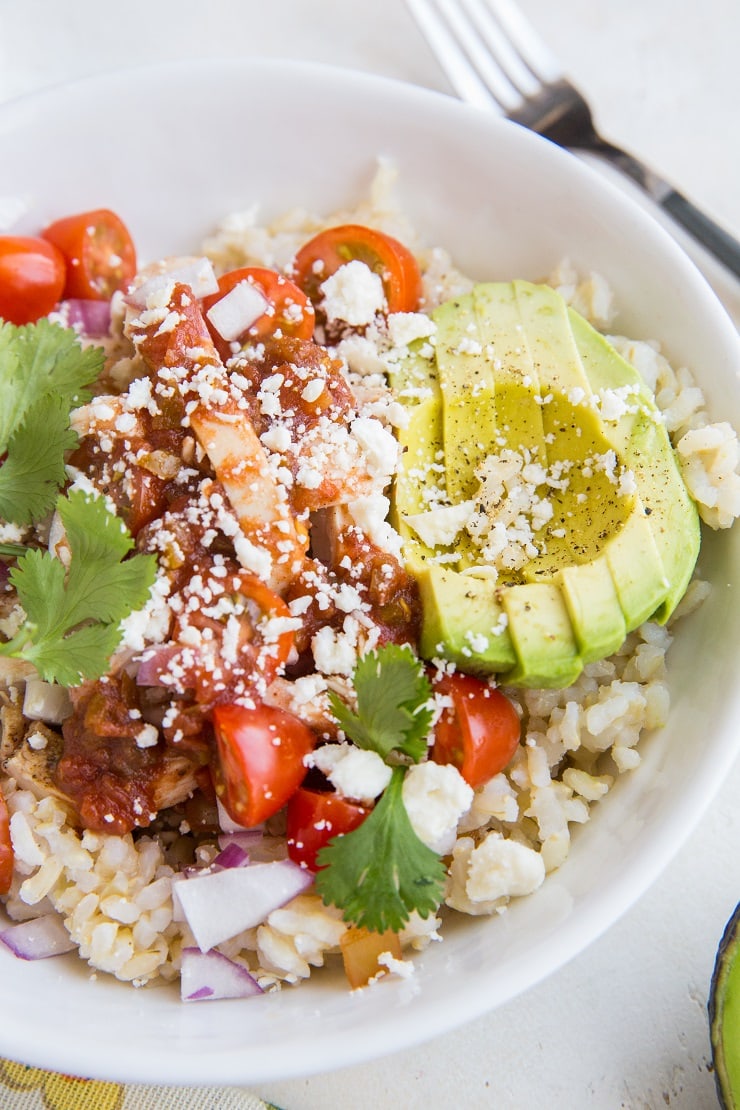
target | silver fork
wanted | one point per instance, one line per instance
(492, 55)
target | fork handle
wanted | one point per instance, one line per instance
(712, 237)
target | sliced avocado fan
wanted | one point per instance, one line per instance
(540, 503)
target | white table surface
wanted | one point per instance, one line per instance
(623, 1026)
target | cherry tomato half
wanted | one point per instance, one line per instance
(6, 849)
(314, 818)
(479, 733)
(326, 252)
(32, 275)
(290, 310)
(260, 759)
(99, 253)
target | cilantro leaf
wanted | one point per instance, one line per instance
(99, 540)
(380, 872)
(37, 360)
(43, 373)
(34, 469)
(393, 703)
(73, 615)
(85, 654)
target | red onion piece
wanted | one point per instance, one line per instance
(205, 976)
(270, 849)
(154, 663)
(233, 855)
(38, 938)
(238, 310)
(247, 839)
(92, 318)
(221, 904)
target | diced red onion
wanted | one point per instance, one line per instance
(221, 904)
(205, 976)
(232, 855)
(269, 849)
(154, 664)
(198, 273)
(247, 839)
(38, 938)
(92, 318)
(237, 310)
(233, 832)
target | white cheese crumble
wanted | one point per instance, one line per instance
(503, 868)
(150, 624)
(353, 772)
(405, 327)
(379, 446)
(37, 741)
(361, 355)
(441, 526)
(483, 878)
(436, 796)
(147, 737)
(11, 533)
(370, 515)
(313, 390)
(353, 294)
(403, 968)
(336, 651)
(258, 560)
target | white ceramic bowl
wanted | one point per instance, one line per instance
(175, 148)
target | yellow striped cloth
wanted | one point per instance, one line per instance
(26, 1088)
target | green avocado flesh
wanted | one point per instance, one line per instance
(724, 1016)
(539, 501)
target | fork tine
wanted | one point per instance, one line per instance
(525, 41)
(463, 21)
(452, 39)
(497, 39)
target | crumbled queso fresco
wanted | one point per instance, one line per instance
(260, 455)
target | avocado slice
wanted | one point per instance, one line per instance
(724, 1016)
(571, 522)
(637, 570)
(466, 379)
(543, 637)
(593, 607)
(480, 643)
(545, 328)
(415, 382)
(640, 437)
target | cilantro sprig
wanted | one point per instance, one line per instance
(393, 704)
(73, 613)
(44, 373)
(381, 872)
